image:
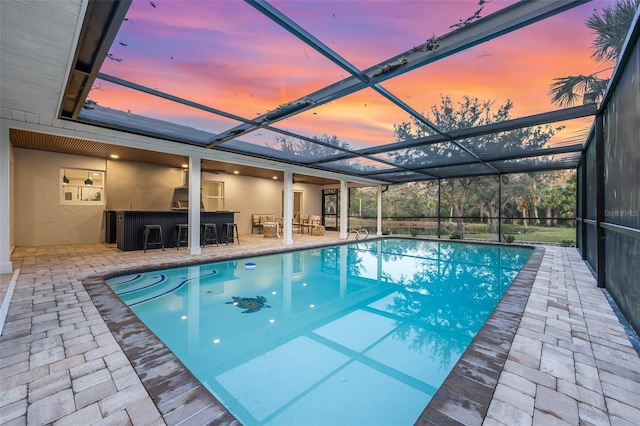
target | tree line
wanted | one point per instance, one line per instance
(541, 198)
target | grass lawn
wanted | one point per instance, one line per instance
(539, 234)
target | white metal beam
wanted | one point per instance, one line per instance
(195, 172)
(344, 209)
(287, 220)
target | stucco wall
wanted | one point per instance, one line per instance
(40, 220)
(140, 186)
(249, 195)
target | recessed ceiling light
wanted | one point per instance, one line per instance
(235, 172)
(185, 166)
(275, 178)
(114, 156)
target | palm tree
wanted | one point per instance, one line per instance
(611, 26)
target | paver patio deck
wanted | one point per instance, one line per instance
(571, 361)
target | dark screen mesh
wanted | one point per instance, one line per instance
(622, 151)
(622, 191)
(622, 271)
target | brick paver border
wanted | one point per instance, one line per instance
(464, 397)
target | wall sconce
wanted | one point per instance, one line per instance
(65, 179)
(88, 180)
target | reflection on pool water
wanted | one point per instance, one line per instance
(355, 334)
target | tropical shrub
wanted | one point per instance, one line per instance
(567, 243)
(456, 235)
(508, 238)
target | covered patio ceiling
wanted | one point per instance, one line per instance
(328, 84)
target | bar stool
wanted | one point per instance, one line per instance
(227, 232)
(152, 236)
(208, 234)
(181, 235)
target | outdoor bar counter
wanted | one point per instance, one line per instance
(130, 225)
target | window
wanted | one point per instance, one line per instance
(78, 186)
(212, 195)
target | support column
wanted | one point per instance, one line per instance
(583, 204)
(5, 202)
(195, 171)
(379, 213)
(600, 187)
(344, 209)
(287, 220)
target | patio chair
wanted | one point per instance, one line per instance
(310, 222)
(296, 222)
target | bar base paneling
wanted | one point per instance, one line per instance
(130, 225)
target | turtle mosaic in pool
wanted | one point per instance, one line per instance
(360, 333)
(251, 304)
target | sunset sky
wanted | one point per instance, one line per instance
(226, 55)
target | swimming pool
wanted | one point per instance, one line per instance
(355, 334)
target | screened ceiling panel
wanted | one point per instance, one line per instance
(529, 141)
(217, 53)
(367, 33)
(360, 120)
(358, 165)
(268, 143)
(401, 177)
(544, 162)
(473, 169)
(140, 105)
(143, 125)
(431, 155)
(519, 67)
(386, 88)
(570, 131)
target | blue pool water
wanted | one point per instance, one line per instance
(357, 334)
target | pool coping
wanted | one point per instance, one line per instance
(463, 398)
(465, 395)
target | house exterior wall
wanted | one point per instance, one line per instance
(39, 219)
(140, 186)
(248, 195)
